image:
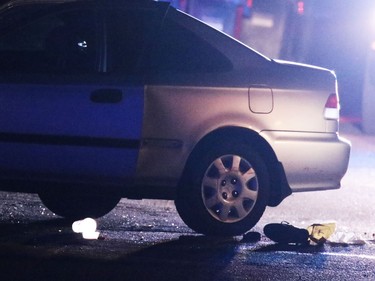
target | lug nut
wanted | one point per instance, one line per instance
(225, 195)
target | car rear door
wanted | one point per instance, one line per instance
(61, 116)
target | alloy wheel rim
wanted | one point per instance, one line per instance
(230, 188)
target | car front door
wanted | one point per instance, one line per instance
(61, 116)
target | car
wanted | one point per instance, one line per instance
(103, 100)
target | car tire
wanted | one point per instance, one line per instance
(78, 205)
(225, 191)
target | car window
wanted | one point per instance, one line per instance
(131, 33)
(182, 51)
(55, 42)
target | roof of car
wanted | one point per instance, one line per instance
(13, 3)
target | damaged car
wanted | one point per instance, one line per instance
(103, 100)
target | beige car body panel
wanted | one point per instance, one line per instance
(177, 118)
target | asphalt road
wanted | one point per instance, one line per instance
(146, 240)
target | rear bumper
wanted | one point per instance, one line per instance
(312, 161)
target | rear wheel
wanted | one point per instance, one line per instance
(224, 192)
(78, 205)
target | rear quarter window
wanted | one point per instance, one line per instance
(180, 50)
(131, 34)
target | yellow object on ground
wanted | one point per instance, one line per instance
(319, 233)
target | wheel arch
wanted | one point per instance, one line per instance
(279, 187)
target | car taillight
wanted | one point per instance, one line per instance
(332, 107)
(301, 7)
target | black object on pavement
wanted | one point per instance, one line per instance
(284, 233)
(251, 237)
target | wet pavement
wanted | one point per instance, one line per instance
(146, 240)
